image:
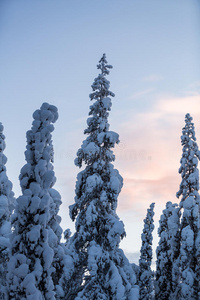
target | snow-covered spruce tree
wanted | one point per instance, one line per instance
(7, 203)
(146, 274)
(167, 252)
(189, 204)
(62, 260)
(30, 267)
(102, 270)
(173, 225)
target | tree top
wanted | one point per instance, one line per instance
(103, 66)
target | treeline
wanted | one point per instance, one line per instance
(89, 265)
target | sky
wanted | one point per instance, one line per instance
(49, 50)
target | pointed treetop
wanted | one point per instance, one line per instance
(189, 162)
(103, 65)
(97, 145)
(2, 138)
(101, 85)
(188, 131)
(152, 205)
(1, 127)
(3, 158)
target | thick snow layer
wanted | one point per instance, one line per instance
(90, 148)
(110, 137)
(93, 182)
(116, 183)
(22, 270)
(35, 188)
(34, 234)
(4, 242)
(35, 204)
(189, 202)
(94, 254)
(107, 103)
(134, 294)
(91, 214)
(115, 283)
(5, 229)
(48, 254)
(3, 204)
(187, 235)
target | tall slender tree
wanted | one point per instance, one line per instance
(7, 203)
(146, 274)
(167, 252)
(173, 225)
(62, 260)
(189, 204)
(30, 267)
(102, 270)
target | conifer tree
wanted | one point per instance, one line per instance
(30, 267)
(197, 244)
(62, 260)
(102, 270)
(167, 252)
(146, 274)
(173, 225)
(7, 203)
(189, 204)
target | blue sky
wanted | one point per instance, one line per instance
(48, 53)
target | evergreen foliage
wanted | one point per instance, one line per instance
(167, 253)
(7, 203)
(146, 274)
(30, 267)
(102, 270)
(188, 257)
(62, 260)
(35, 265)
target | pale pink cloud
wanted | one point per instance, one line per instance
(180, 105)
(137, 194)
(150, 154)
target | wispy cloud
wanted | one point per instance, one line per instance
(140, 94)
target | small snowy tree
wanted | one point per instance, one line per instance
(167, 252)
(189, 204)
(197, 244)
(173, 225)
(30, 267)
(62, 260)
(146, 274)
(102, 270)
(7, 203)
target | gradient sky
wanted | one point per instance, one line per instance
(49, 50)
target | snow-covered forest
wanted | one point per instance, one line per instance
(41, 260)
